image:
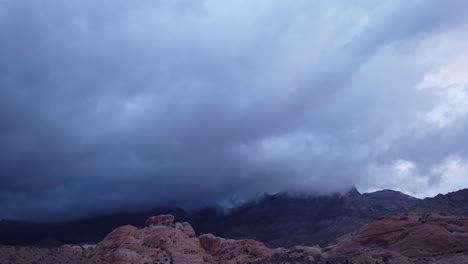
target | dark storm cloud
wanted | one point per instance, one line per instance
(114, 105)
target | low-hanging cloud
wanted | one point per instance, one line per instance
(114, 105)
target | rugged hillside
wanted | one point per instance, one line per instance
(284, 220)
(397, 238)
(454, 203)
(416, 238)
(277, 220)
(391, 201)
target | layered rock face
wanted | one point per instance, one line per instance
(406, 238)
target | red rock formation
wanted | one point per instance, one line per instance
(235, 251)
(159, 242)
(396, 238)
(162, 241)
(406, 238)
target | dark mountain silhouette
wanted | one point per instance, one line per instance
(453, 203)
(278, 220)
(391, 201)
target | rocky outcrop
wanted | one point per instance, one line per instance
(160, 241)
(164, 220)
(230, 250)
(395, 238)
(163, 241)
(406, 238)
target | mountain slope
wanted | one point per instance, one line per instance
(391, 201)
(453, 203)
(277, 220)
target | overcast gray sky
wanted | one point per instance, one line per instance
(127, 105)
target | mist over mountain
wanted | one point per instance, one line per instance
(123, 106)
(277, 220)
(234, 132)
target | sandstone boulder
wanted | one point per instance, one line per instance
(160, 242)
(163, 241)
(211, 244)
(224, 250)
(186, 228)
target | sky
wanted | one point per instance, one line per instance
(128, 105)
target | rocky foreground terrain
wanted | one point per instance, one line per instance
(395, 238)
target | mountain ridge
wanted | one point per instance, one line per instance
(277, 220)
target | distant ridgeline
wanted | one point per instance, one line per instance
(277, 220)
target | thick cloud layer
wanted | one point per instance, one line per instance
(116, 105)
